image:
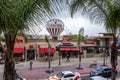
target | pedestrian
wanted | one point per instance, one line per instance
(68, 56)
(46, 58)
(31, 65)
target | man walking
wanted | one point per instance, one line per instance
(31, 65)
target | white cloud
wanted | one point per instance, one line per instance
(72, 25)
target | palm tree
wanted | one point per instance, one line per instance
(80, 38)
(20, 15)
(104, 12)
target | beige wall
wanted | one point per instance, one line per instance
(19, 42)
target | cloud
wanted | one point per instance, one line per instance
(72, 25)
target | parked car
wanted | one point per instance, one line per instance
(98, 78)
(19, 78)
(102, 71)
(66, 75)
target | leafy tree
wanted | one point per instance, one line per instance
(105, 12)
(20, 15)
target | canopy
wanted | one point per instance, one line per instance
(18, 50)
(45, 50)
(70, 49)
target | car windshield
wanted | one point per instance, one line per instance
(60, 75)
(99, 69)
(90, 79)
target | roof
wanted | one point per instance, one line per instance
(66, 72)
(89, 45)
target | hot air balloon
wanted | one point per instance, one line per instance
(55, 27)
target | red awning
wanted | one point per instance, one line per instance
(70, 49)
(41, 50)
(45, 50)
(52, 50)
(18, 50)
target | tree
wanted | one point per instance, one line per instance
(79, 39)
(49, 55)
(105, 12)
(20, 15)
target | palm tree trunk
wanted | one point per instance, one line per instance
(114, 55)
(9, 73)
(9, 67)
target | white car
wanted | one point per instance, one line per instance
(98, 78)
(66, 75)
(19, 78)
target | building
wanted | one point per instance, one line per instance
(37, 49)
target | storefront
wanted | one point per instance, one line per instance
(30, 54)
(44, 52)
(18, 54)
(68, 48)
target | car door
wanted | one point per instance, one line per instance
(69, 77)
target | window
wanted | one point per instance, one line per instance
(69, 75)
(99, 69)
(59, 75)
(107, 69)
(90, 79)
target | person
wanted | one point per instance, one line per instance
(31, 65)
(67, 56)
(46, 57)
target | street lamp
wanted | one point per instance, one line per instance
(49, 57)
(59, 58)
(58, 49)
(106, 52)
(50, 71)
(104, 57)
(79, 67)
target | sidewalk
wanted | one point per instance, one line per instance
(55, 63)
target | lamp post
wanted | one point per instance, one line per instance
(58, 48)
(79, 67)
(104, 58)
(103, 52)
(59, 58)
(106, 52)
(50, 71)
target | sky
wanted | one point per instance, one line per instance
(72, 25)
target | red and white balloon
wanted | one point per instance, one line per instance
(55, 27)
